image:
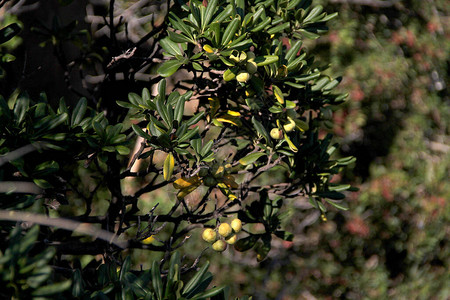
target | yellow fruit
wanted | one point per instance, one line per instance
(290, 125)
(209, 235)
(231, 240)
(276, 134)
(225, 229)
(219, 246)
(251, 67)
(243, 76)
(236, 225)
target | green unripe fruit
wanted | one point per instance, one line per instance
(236, 225)
(243, 76)
(231, 240)
(276, 134)
(251, 67)
(250, 55)
(209, 235)
(203, 172)
(209, 181)
(219, 246)
(290, 125)
(225, 230)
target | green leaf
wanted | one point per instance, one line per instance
(285, 235)
(261, 130)
(279, 28)
(331, 195)
(188, 134)
(122, 150)
(210, 293)
(21, 106)
(265, 60)
(179, 38)
(194, 119)
(314, 12)
(170, 47)
(52, 289)
(230, 31)
(169, 164)
(278, 94)
(163, 111)
(262, 25)
(210, 10)
(292, 53)
(8, 32)
(179, 109)
(230, 74)
(197, 66)
(134, 99)
(125, 268)
(140, 132)
(251, 158)
(246, 243)
(162, 90)
(78, 112)
(168, 68)
(157, 281)
(195, 280)
(337, 205)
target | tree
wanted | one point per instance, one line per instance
(251, 144)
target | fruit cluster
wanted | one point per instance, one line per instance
(227, 235)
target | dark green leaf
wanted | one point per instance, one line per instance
(169, 67)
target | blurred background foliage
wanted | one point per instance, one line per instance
(393, 57)
(394, 239)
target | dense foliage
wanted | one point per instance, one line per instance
(243, 99)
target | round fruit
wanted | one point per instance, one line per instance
(219, 246)
(209, 235)
(225, 230)
(251, 67)
(290, 125)
(203, 172)
(276, 133)
(236, 225)
(231, 240)
(243, 76)
(209, 181)
(250, 55)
